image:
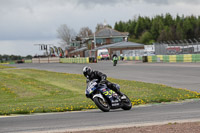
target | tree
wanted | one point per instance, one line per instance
(168, 20)
(140, 26)
(116, 27)
(164, 34)
(161, 27)
(120, 26)
(65, 34)
(179, 28)
(132, 28)
(101, 26)
(155, 29)
(29, 57)
(85, 32)
(187, 28)
(146, 38)
(197, 29)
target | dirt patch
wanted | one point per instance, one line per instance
(192, 127)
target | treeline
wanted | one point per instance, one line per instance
(160, 28)
(5, 58)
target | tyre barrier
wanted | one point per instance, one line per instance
(133, 58)
(174, 58)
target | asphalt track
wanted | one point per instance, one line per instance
(182, 75)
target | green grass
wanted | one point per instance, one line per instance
(25, 91)
(4, 67)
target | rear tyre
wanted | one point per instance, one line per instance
(102, 105)
(127, 105)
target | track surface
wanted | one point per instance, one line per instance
(177, 75)
(90, 119)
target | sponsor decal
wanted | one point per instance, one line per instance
(115, 101)
(115, 104)
(108, 92)
(103, 89)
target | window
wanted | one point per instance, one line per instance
(119, 39)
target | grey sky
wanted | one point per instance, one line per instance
(23, 22)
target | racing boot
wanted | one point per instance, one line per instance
(116, 88)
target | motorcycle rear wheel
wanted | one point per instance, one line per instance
(102, 105)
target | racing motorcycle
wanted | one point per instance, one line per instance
(105, 98)
(115, 59)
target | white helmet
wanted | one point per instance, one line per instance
(87, 71)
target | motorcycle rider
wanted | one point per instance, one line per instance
(114, 58)
(92, 74)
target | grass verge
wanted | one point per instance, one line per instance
(4, 67)
(27, 91)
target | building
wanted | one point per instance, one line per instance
(108, 36)
(125, 48)
(114, 41)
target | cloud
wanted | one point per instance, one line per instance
(31, 3)
(171, 2)
(24, 47)
(32, 19)
(99, 2)
(25, 21)
(114, 2)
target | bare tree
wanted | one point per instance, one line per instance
(66, 35)
(85, 32)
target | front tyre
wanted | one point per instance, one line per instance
(127, 105)
(114, 63)
(102, 105)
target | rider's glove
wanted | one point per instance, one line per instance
(103, 81)
(103, 77)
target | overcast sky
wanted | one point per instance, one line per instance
(27, 22)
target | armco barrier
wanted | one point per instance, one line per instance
(175, 58)
(74, 60)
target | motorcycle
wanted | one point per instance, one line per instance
(105, 98)
(115, 59)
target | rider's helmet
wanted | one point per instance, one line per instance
(87, 71)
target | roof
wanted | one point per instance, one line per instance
(108, 32)
(121, 45)
(80, 49)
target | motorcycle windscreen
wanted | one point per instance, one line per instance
(91, 87)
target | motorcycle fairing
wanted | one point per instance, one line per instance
(112, 96)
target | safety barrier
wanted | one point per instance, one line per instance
(9, 62)
(133, 58)
(175, 58)
(75, 60)
(4, 63)
(46, 60)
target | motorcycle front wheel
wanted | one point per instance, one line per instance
(102, 105)
(114, 63)
(127, 105)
